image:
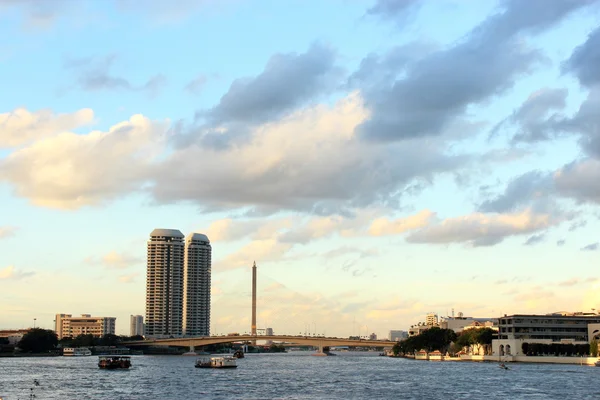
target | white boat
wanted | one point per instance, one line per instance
(216, 362)
(76, 351)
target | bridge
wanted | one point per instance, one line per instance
(317, 341)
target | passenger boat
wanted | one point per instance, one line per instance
(216, 362)
(76, 351)
(597, 363)
(114, 362)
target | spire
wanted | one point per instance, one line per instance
(254, 266)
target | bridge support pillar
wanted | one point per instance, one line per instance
(245, 348)
(192, 349)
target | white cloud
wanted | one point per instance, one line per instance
(480, 229)
(11, 273)
(69, 171)
(21, 126)
(385, 226)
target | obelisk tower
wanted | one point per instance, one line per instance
(254, 300)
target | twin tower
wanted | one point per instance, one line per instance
(178, 284)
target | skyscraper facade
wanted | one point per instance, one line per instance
(164, 283)
(196, 285)
(136, 325)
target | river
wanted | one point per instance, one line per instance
(295, 375)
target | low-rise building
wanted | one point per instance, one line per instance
(69, 326)
(13, 336)
(458, 324)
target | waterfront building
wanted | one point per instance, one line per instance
(373, 336)
(397, 335)
(458, 324)
(196, 285)
(559, 327)
(13, 336)
(164, 283)
(136, 325)
(68, 326)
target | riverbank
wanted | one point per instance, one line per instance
(588, 361)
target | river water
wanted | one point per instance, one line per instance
(295, 375)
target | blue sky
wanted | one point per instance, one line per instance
(378, 159)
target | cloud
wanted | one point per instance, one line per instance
(93, 74)
(522, 190)
(591, 247)
(119, 260)
(532, 120)
(257, 229)
(11, 273)
(72, 170)
(196, 85)
(482, 229)
(263, 250)
(436, 90)
(348, 250)
(585, 60)
(580, 180)
(38, 14)
(21, 126)
(7, 231)
(288, 81)
(561, 242)
(130, 278)
(384, 226)
(310, 160)
(576, 225)
(569, 282)
(535, 239)
(393, 9)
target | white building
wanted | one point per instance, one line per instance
(68, 326)
(458, 324)
(136, 325)
(164, 283)
(560, 327)
(196, 285)
(397, 335)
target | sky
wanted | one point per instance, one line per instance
(378, 159)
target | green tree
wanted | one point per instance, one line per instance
(87, 340)
(109, 340)
(38, 340)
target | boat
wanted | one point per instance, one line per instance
(114, 362)
(597, 363)
(238, 354)
(216, 362)
(76, 351)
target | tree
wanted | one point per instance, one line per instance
(109, 340)
(38, 340)
(594, 348)
(484, 338)
(87, 340)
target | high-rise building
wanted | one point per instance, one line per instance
(136, 327)
(196, 285)
(397, 335)
(164, 283)
(69, 326)
(431, 319)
